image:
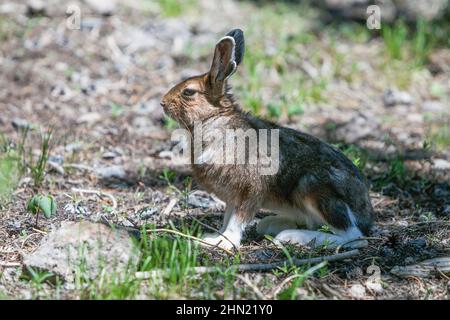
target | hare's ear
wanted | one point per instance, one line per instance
(238, 37)
(228, 54)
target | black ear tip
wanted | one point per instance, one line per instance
(237, 34)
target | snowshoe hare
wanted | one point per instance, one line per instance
(313, 183)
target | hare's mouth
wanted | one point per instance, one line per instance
(168, 111)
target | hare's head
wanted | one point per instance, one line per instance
(200, 97)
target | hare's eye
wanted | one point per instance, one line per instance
(188, 92)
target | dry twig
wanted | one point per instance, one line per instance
(259, 266)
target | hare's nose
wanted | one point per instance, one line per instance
(162, 103)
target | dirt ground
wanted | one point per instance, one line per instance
(99, 88)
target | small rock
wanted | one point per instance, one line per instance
(201, 199)
(419, 242)
(102, 249)
(111, 155)
(109, 172)
(73, 147)
(147, 213)
(61, 91)
(433, 106)
(393, 97)
(103, 7)
(36, 8)
(441, 164)
(75, 209)
(166, 154)
(403, 223)
(56, 159)
(19, 123)
(359, 127)
(135, 39)
(89, 118)
(357, 291)
(56, 167)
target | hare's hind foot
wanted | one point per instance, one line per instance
(347, 239)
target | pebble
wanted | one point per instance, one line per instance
(357, 291)
(441, 164)
(36, 7)
(103, 7)
(148, 213)
(108, 172)
(419, 242)
(433, 106)
(393, 97)
(19, 123)
(89, 118)
(111, 155)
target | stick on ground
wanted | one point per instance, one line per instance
(256, 266)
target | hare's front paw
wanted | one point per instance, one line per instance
(218, 240)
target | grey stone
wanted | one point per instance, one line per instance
(357, 291)
(76, 209)
(393, 97)
(19, 123)
(148, 213)
(87, 246)
(103, 7)
(36, 7)
(201, 199)
(433, 106)
(441, 164)
(73, 147)
(111, 155)
(134, 39)
(418, 243)
(359, 127)
(90, 118)
(56, 159)
(108, 172)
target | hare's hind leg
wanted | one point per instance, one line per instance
(334, 213)
(273, 225)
